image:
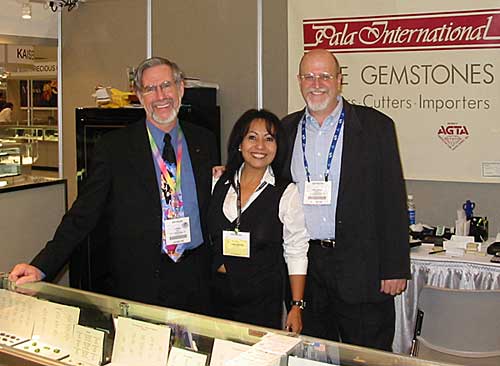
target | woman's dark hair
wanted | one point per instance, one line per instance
(6, 105)
(240, 130)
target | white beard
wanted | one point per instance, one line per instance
(170, 118)
(317, 107)
(165, 121)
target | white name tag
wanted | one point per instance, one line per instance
(177, 231)
(318, 193)
(236, 244)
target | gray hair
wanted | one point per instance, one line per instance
(156, 61)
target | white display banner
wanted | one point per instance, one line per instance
(17, 54)
(433, 66)
(45, 68)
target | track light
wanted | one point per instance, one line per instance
(26, 10)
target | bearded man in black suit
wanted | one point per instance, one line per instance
(345, 161)
(158, 255)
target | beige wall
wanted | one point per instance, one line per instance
(275, 56)
(99, 40)
(215, 41)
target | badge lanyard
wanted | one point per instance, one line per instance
(332, 146)
(238, 202)
(175, 186)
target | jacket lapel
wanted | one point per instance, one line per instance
(350, 152)
(199, 162)
(141, 159)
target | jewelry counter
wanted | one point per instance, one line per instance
(46, 324)
(30, 210)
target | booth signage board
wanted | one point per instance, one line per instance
(45, 68)
(432, 66)
(17, 54)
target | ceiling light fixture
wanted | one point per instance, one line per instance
(26, 10)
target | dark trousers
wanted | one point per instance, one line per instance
(259, 303)
(327, 316)
(185, 285)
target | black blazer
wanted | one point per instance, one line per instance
(122, 185)
(371, 218)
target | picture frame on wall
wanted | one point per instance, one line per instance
(44, 93)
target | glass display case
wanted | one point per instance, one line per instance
(29, 133)
(46, 324)
(10, 159)
(41, 142)
(16, 158)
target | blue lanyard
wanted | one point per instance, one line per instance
(332, 146)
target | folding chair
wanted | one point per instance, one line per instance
(458, 326)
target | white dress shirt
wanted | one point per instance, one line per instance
(291, 214)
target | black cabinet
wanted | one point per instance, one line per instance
(89, 264)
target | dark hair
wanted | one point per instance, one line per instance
(240, 130)
(7, 105)
(156, 61)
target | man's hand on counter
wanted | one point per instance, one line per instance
(24, 273)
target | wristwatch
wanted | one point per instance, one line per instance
(300, 303)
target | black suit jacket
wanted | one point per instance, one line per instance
(371, 218)
(122, 186)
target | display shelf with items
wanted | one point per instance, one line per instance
(10, 160)
(46, 324)
(30, 133)
(42, 138)
(16, 158)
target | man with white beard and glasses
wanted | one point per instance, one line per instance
(155, 219)
(345, 161)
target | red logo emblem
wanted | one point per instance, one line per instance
(405, 32)
(453, 134)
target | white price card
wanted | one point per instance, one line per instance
(255, 357)
(223, 351)
(184, 357)
(16, 317)
(277, 344)
(140, 343)
(88, 344)
(54, 323)
(297, 361)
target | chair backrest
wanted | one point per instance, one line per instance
(461, 320)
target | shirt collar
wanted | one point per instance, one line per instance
(267, 178)
(332, 117)
(158, 133)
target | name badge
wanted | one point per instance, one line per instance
(236, 244)
(177, 231)
(318, 193)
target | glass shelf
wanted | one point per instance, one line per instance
(100, 312)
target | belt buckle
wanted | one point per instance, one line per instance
(328, 243)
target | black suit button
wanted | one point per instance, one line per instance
(156, 273)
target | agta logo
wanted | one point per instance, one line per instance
(453, 134)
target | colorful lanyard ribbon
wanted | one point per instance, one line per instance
(175, 186)
(332, 146)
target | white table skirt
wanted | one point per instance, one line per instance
(473, 271)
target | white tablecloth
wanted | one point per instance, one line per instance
(472, 271)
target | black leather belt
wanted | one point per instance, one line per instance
(324, 243)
